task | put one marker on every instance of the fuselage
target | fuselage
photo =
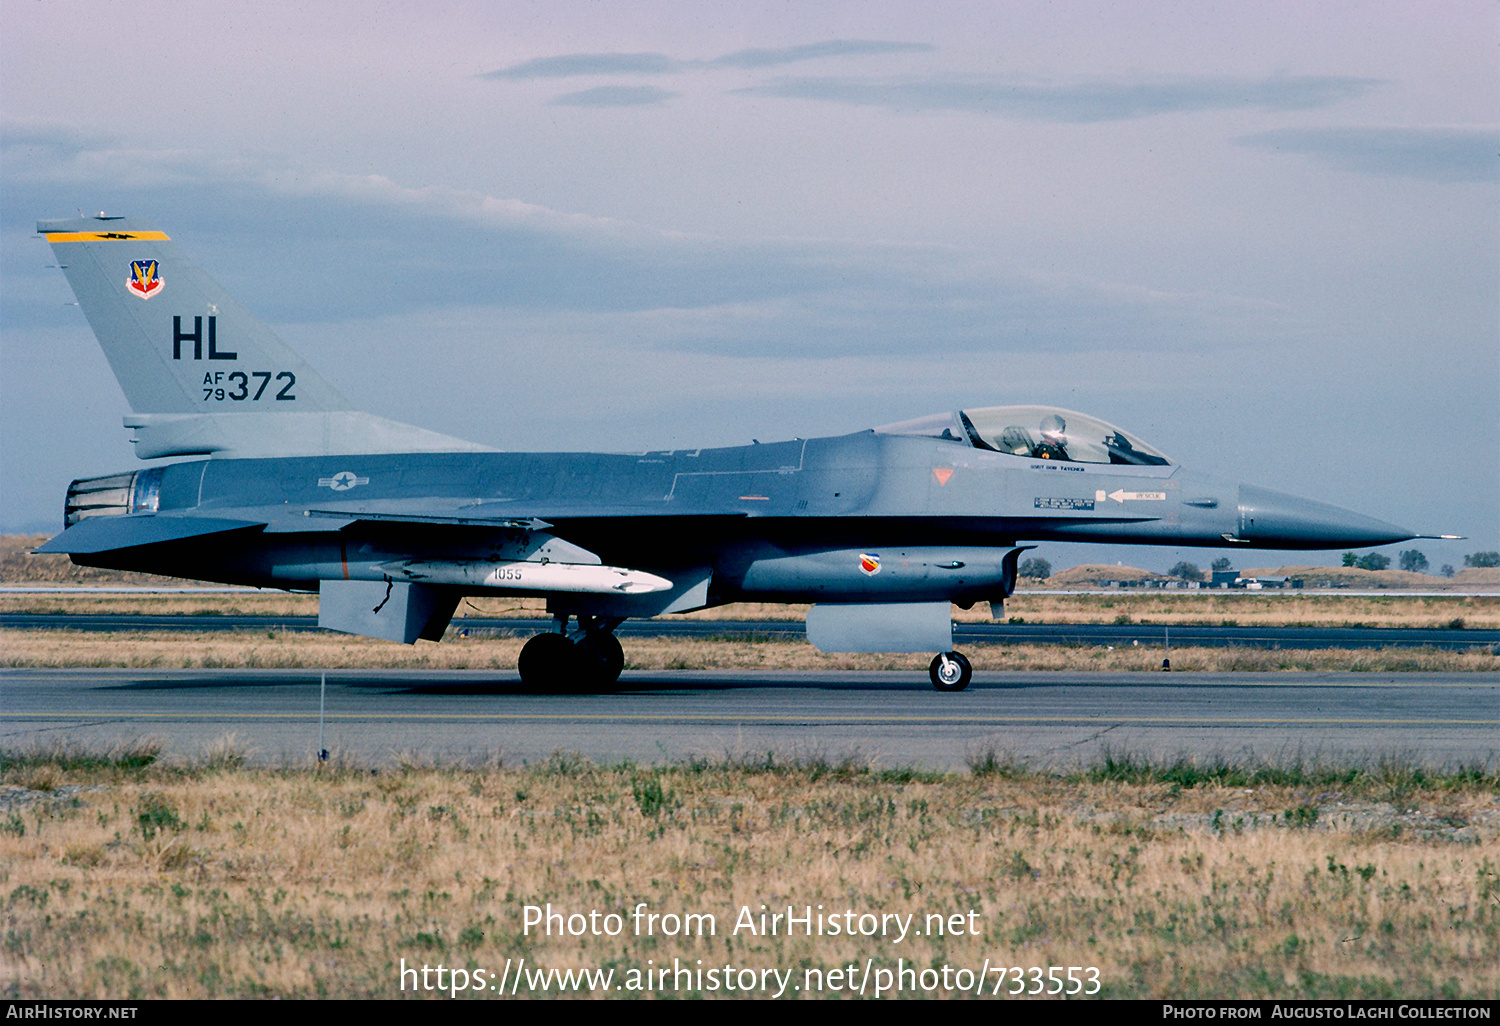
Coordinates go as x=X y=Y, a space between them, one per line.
x=785 y=521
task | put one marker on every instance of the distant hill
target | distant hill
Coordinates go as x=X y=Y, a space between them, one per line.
x=1099 y=573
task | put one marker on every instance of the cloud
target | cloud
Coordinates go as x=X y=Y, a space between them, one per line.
x=37 y=151
x=1434 y=154
x=53 y=141
x=771 y=58
x=1072 y=102
x=356 y=246
x=930 y=303
x=569 y=65
x=614 y=96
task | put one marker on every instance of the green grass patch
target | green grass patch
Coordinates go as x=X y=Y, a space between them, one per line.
x=122 y=757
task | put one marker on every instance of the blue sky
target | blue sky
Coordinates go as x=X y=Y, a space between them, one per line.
x=1262 y=237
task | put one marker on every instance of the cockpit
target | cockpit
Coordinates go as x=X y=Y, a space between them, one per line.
x=1034 y=432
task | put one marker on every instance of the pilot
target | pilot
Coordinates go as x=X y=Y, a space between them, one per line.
x=1054 y=443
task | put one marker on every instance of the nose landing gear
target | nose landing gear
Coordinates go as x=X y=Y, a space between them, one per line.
x=591 y=660
x=950 y=671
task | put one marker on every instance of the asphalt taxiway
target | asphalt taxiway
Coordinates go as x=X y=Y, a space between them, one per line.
x=964 y=633
x=890 y=718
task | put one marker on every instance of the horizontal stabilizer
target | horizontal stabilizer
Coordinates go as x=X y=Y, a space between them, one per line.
x=104 y=534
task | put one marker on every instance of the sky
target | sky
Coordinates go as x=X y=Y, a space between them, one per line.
x=1264 y=238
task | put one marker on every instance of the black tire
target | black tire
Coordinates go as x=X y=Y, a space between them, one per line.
x=601 y=658
x=950 y=671
x=548 y=663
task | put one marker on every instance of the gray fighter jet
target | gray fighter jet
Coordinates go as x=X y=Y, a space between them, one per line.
x=391 y=525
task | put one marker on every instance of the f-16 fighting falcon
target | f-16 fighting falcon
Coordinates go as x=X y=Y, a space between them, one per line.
x=392 y=525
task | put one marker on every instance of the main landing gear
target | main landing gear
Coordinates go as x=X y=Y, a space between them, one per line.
x=950 y=671
x=590 y=660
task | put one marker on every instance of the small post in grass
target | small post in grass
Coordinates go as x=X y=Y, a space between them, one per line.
x=1166 y=664
x=322 y=703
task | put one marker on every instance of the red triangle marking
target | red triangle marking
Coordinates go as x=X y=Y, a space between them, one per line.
x=942 y=474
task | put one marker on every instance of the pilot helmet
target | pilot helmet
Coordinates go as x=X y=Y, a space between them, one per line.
x=1054 y=429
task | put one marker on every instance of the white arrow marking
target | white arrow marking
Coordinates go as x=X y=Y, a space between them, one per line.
x=1121 y=495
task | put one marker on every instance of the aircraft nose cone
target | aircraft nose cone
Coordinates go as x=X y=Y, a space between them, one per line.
x=1289 y=522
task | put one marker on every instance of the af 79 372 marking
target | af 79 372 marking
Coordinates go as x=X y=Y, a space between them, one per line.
x=214 y=383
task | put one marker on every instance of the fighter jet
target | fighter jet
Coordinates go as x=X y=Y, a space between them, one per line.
x=392 y=525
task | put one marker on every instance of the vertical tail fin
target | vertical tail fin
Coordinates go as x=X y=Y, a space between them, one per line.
x=177 y=342
x=202 y=375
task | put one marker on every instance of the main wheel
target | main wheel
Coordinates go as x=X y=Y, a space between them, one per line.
x=548 y=662
x=601 y=658
x=950 y=671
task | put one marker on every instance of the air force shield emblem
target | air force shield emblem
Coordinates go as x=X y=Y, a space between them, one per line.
x=144 y=280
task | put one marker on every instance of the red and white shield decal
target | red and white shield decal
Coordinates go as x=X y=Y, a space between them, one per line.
x=144 y=280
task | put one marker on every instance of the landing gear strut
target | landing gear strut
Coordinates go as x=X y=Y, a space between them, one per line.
x=950 y=671
x=590 y=660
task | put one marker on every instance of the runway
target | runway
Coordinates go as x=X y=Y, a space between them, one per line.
x=964 y=633
x=890 y=718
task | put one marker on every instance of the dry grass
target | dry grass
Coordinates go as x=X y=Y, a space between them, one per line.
x=120 y=880
x=249 y=649
x=281 y=649
x=248 y=603
x=19 y=566
x=1243 y=608
x=1252 y=609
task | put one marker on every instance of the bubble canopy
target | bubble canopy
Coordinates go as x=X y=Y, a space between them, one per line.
x=1034 y=432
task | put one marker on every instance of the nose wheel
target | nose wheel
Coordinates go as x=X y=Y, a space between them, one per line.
x=950 y=671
